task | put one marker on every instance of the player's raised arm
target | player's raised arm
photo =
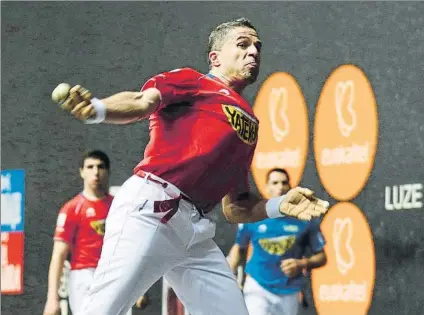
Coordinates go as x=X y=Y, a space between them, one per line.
x=126 y=107
x=120 y=108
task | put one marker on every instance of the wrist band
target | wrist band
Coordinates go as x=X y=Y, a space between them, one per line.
x=272 y=207
x=100 y=108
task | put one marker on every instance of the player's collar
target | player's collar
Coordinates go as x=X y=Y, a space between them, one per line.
x=210 y=75
x=214 y=77
x=92 y=198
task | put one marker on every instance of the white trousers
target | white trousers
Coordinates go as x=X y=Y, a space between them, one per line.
x=78 y=285
x=260 y=301
x=138 y=249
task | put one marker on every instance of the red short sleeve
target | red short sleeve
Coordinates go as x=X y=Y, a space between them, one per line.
x=175 y=86
x=66 y=224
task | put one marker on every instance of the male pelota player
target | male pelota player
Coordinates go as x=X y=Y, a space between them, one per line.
x=278 y=246
x=202 y=138
x=79 y=232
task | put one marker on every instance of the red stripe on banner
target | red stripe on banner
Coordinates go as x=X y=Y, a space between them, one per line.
x=12 y=262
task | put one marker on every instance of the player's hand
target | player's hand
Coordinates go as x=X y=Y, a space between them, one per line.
x=302 y=203
x=52 y=307
x=142 y=301
x=78 y=103
x=291 y=267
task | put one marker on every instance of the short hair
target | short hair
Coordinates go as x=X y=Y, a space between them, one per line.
x=96 y=154
x=220 y=32
x=280 y=170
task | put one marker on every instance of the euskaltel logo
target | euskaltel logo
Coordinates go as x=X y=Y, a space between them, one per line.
x=345 y=132
x=283 y=129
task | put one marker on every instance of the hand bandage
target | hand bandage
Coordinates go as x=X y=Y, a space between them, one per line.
x=272 y=207
x=100 y=108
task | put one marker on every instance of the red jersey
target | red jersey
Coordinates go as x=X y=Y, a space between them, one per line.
x=202 y=136
x=81 y=224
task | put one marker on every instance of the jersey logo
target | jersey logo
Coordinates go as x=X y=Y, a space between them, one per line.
x=90 y=212
x=98 y=226
x=277 y=245
x=291 y=228
x=245 y=125
x=224 y=91
x=262 y=228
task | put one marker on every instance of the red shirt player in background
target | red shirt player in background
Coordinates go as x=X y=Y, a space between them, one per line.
x=79 y=232
x=202 y=139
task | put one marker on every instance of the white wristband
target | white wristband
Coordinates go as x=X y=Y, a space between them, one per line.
x=100 y=108
x=272 y=207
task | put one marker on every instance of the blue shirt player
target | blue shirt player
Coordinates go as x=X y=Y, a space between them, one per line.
x=277 y=249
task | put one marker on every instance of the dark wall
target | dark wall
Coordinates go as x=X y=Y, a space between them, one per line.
x=110 y=47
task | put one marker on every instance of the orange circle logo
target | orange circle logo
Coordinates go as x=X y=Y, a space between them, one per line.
x=345 y=284
x=346 y=130
x=283 y=129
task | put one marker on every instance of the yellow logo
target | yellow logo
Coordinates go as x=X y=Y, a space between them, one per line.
x=345 y=284
x=277 y=245
x=284 y=133
x=245 y=125
x=346 y=131
x=98 y=226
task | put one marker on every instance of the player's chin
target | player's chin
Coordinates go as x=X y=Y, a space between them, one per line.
x=251 y=76
x=96 y=184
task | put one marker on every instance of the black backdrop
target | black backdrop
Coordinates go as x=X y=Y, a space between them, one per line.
x=111 y=46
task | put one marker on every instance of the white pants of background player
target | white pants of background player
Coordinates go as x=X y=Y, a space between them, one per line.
x=78 y=284
x=260 y=301
x=138 y=249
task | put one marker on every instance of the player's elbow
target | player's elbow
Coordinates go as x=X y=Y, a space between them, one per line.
x=322 y=259
x=229 y=216
x=148 y=101
x=240 y=208
x=235 y=214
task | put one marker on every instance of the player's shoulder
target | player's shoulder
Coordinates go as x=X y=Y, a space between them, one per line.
x=185 y=72
x=258 y=225
x=109 y=198
x=288 y=225
x=74 y=200
x=73 y=203
x=314 y=224
x=301 y=227
x=244 y=226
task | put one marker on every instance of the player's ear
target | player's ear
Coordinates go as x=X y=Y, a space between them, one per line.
x=214 y=58
x=267 y=188
x=81 y=171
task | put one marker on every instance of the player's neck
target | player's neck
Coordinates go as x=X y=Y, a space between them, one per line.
x=93 y=194
x=234 y=84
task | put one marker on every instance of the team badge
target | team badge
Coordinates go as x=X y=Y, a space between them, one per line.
x=244 y=124
x=98 y=226
x=277 y=245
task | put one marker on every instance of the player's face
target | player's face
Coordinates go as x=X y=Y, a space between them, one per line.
x=278 y=184
x=240 y=55
x=95 y=174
